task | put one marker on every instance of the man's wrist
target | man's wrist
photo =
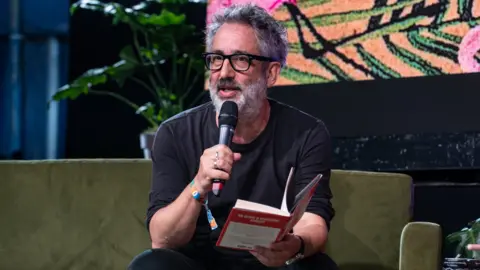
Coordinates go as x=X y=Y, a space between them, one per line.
x=301 y=249
x=197 y=193
x=300 y=253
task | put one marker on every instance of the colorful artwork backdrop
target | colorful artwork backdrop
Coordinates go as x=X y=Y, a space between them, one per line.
x=340 y=40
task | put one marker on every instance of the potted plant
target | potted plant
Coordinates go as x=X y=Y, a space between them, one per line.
x=465 y=259
x=161 y=59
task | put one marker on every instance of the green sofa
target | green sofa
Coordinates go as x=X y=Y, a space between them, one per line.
x=89 y=214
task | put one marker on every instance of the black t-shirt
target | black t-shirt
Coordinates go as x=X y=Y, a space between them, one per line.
x=291 y=138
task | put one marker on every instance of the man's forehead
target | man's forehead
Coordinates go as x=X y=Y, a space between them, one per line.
x=235 y=38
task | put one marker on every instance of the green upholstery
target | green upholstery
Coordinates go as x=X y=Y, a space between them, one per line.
x=89 y=214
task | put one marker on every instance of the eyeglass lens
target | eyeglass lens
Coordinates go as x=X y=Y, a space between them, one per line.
x=239 y=62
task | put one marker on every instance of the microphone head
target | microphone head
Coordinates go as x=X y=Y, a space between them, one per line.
x=228 y=114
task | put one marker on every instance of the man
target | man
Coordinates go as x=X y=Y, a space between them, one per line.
x=246 y=50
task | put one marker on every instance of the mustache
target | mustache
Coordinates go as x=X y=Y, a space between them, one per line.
x=228 y=83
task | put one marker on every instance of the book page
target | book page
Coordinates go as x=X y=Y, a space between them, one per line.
x=258 y=207
x=285 y=192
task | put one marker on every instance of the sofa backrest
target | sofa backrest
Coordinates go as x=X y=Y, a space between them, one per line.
x=371 y=210
x=89 y=214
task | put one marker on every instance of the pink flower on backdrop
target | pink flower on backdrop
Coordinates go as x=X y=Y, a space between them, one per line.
x=269 y=5
x=469 y=46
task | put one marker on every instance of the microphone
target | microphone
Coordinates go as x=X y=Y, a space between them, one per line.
x=227 y=122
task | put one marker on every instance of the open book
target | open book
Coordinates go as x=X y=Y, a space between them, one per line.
x=252 y=224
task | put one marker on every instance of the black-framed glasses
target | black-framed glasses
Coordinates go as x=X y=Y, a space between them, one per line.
x=238 y=61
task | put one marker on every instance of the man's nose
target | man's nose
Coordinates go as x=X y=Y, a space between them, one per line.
x=227 y=70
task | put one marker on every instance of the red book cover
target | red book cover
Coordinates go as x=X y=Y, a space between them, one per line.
x=251 y=224
x=245 y=229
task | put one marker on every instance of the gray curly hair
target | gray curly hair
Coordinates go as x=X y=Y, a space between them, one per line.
x=271 y=35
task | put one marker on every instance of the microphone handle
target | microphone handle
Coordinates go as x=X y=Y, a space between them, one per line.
x=226 y=135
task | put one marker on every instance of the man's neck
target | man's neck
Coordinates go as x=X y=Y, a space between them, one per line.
x=247 y=130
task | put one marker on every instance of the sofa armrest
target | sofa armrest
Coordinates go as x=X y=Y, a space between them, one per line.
x=420 y=246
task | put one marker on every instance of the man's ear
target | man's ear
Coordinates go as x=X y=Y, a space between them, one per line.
x=273 y=71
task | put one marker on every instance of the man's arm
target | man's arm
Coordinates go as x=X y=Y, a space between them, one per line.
x=316 y=158
x=313 y=229
x=173 y=212
x=174 y=225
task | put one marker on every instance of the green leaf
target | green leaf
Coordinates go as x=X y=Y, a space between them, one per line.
x=433 y=46
x=82 y=84
x=121 y=71
x=305 y=4
x=474 y=223
x=87 y=4
x=301 y=77
x=165 y=18
x=377 y=67
x=118 y=12
x=382 y=31
x=128 y=54
x=446 y=36
x=443 y=8
x=336 y=18
x=468 y=235
x=412 y=59
x=70 y=92
x=465 y=9
x=148 y=109
x=456 y=236
x=334 y=69
x=92 y=77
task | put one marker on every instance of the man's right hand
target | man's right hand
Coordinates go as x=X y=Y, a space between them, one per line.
x=215 y=163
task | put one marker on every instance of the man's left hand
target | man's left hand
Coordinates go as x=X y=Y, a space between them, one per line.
x=278 y=253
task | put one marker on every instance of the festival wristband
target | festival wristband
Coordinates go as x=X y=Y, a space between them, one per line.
x=195 y=194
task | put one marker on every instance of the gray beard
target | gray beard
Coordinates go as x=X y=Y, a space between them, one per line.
x=249 y=103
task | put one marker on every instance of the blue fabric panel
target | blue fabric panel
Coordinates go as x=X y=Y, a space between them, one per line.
x=46 y=17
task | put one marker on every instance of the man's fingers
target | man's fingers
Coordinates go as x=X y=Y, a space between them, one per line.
x=223 y=164
x=222 y=150
x=264 y=260
x=218 y=174
x=279 y=246
x=267 y=257
x=286 y=243
x=266 y=253
x=237 y=156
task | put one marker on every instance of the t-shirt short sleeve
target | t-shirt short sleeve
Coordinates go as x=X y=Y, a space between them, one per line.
x=316 y=159
x=169 y=177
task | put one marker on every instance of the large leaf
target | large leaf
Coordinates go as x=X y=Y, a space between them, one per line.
x=165 y=18
x=468 y=235
x=82 y=84
x=118 y=12
x=121 y=71
x=163 y=38
x=134 y=16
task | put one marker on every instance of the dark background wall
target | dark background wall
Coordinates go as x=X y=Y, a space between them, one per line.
x=426 y=127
